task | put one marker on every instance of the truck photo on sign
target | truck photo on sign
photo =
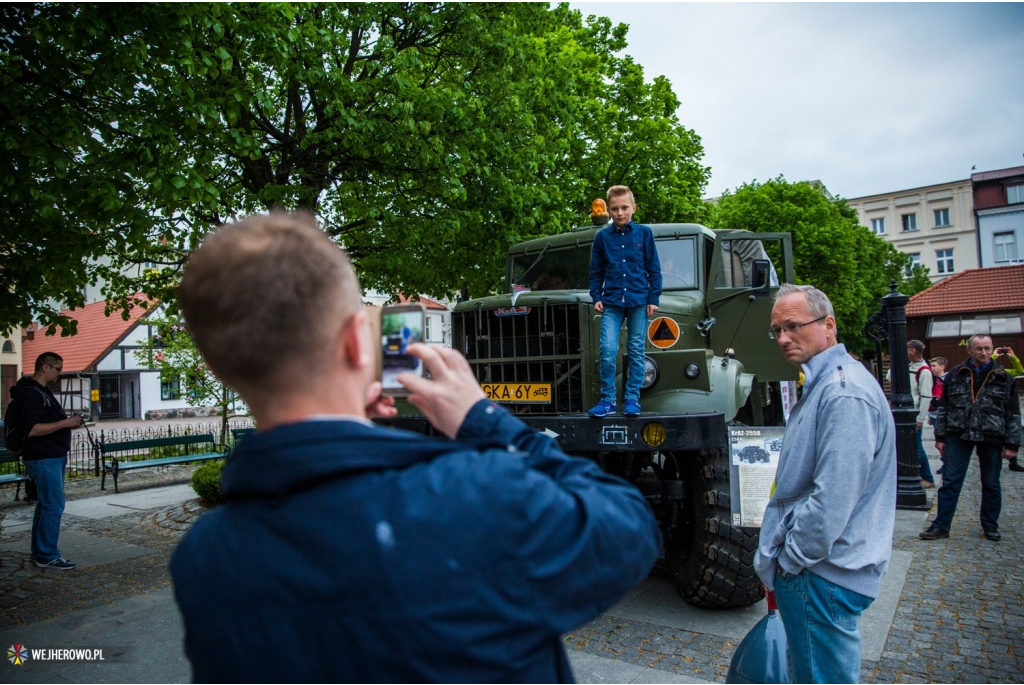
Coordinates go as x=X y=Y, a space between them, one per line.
x=753 y=459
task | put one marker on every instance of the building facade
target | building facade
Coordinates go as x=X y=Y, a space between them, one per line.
x=933 y=224
x=10 y=365
x=999 y=206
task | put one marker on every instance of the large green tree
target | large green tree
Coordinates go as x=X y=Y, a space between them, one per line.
x=831 y=250
x=425 y=137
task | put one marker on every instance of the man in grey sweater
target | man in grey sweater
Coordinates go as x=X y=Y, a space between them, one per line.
x=826 y=537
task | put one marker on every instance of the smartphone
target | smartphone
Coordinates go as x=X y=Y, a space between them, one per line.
x=400 y=326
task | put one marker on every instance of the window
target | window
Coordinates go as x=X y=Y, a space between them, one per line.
x=1005 y=246
x=170 y=388
x=909 y=222
x=878 y=226
x=428 y=336
x=963 y=326
x=942 y=217
x=915 y=260
x=944 y=261
x=1014 y=194
x=8 y=346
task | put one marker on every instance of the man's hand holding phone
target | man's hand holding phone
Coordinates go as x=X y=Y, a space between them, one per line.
x=450 y=393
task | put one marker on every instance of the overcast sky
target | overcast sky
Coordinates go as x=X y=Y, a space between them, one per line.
x=867 y=98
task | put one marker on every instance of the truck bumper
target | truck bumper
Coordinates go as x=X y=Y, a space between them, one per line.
x=581 y=433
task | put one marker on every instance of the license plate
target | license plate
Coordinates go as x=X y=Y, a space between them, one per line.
x=518 y=393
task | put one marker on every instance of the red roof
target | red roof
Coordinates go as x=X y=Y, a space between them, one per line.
x=424 y=300
x=97 y=335
x=974 y=290
x=998 y=174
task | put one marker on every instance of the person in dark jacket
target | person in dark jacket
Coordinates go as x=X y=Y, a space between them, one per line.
x=979 y=410
x=45 y=429
x=351 y=552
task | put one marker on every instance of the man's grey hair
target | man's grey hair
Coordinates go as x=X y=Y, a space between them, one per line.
x=970 y=340
x=818 y=303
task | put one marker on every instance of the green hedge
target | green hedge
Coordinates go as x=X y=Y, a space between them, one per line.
x=206 y=482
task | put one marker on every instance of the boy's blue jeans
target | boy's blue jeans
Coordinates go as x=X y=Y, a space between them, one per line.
x=822 y=623
x=48 y=475
x=636 y=328
x=922 y=458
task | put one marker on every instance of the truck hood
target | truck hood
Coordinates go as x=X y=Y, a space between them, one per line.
x=682 y=302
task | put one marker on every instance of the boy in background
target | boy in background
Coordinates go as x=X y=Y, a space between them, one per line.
x=625 y=285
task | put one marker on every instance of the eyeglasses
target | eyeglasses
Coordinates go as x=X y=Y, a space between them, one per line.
x=58 y=369
x=790 y=329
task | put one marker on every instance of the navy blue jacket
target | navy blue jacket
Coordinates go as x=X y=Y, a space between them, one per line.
x=355 y=553
x=624 y=267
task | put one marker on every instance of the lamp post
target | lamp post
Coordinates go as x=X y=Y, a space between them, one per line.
x=909 y=492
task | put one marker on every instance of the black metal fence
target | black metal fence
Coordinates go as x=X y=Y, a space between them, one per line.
x=82 y=458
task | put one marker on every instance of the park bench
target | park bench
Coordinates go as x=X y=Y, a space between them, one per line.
x=238 y=434
x=190 y=443
x=17 y=476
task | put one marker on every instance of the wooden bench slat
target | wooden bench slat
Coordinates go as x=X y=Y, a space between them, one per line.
x=162 y=461
x=111 y=447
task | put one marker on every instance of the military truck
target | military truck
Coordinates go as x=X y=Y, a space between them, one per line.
x=753 y=453
x=708 y=363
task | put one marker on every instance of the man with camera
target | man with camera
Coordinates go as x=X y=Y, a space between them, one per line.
x=41 y=430
x=350 y=552
x=979 y=411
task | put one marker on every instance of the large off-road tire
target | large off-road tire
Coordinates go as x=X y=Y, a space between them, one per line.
x=711 y=562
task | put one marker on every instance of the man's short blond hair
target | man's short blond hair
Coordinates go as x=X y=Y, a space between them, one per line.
x=264 y=298
x=616 y=191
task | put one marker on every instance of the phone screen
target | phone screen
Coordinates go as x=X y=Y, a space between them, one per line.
x=399 y=328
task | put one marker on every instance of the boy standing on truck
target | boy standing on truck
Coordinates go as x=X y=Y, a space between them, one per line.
x=625 y=285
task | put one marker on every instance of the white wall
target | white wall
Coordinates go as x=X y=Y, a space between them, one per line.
x=149 y=383
x=995 y=221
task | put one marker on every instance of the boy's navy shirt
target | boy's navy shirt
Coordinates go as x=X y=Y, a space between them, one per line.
x=624 y=266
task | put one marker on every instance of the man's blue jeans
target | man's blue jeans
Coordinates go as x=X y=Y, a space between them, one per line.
x=636 y=330
x=954 y=468
x=48 y=475
x=822 y=623
x=922 y=456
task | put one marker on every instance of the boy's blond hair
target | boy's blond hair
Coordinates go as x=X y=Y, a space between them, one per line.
x=616 y=191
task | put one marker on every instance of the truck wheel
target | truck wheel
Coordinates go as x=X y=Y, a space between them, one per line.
x=711 y=562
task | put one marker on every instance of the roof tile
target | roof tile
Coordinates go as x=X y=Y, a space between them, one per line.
x=96 y=334
x=974 y=290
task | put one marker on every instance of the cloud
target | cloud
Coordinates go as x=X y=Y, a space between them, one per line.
x=867 y=98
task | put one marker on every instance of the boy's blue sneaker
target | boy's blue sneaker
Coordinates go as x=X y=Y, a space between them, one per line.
x=632 y=408
x=602 y=409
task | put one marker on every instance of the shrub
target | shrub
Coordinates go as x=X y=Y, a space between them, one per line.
x=206 y=482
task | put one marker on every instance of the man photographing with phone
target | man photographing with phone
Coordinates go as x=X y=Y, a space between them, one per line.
x=349 y=552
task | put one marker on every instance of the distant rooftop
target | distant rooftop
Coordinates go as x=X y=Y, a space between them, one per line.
x=997 y=174
x=974 y=290
x=97 y=335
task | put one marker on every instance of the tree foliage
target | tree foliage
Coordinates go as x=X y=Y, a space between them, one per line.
x=831 y=250
x=426 y=138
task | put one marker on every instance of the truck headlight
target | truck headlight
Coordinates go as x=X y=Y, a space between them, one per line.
x=692 y=371
x=650 y=373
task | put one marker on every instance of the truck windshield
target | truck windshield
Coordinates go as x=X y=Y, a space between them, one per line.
x=569 y=268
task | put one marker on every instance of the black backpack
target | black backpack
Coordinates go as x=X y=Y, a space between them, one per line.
x=13 y=438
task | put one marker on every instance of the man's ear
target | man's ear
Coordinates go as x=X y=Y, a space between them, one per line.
x=354 y=341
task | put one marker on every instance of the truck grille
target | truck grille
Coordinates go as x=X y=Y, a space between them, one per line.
x=541 y=346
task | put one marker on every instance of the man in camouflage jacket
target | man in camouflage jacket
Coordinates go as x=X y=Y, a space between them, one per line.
x=979 y=410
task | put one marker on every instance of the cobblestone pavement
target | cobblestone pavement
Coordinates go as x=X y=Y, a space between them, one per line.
x=958 y=619
x=29 y=594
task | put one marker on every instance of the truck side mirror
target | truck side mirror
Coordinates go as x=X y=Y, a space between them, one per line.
x=762 y=276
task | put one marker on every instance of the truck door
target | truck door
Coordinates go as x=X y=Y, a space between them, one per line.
x=741 y=305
